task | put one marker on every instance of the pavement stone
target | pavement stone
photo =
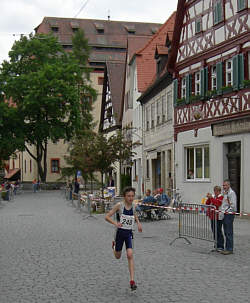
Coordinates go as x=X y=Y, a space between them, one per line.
x=49 y=254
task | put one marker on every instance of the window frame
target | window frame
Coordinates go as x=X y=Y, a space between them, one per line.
x=55 y=159
x=215 y=11
x=229 y=71
x=198 y=21
x=213 y=77
x=239 y=9
x=183 y=87
x=187 y=169
x=197 y=82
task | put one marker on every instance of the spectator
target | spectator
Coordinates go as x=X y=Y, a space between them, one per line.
x=76 y=186
x=111 y=182
x=190 y=174
x=216 y=200
x=229 y=206
x=34 y=185
x=162 y=200
x=148 y=199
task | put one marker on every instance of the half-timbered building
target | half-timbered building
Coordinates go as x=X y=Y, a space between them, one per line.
x=210 y=60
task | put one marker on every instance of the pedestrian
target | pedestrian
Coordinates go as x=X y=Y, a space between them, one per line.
x=126 y=215
x=34 y=185
x=76 y=186
x=229 y=207
x=216 y=217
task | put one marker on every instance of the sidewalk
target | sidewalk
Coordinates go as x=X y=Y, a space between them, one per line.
x=48 y=254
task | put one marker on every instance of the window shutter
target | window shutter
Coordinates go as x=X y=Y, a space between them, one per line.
x=241 y=70
x=235 y=73
x=188 y=87
x=175 y=91
x=204 y=82
x=219 y=11
x=219 y=77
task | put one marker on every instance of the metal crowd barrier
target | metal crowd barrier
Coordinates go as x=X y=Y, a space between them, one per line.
x=195 y=223
x=86 y=203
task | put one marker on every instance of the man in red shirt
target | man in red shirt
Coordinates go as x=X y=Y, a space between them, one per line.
x=216 y=217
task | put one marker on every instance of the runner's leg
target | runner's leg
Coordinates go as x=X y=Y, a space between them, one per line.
x=130 y=263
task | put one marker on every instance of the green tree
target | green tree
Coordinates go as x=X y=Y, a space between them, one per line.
x=10 y=136
x=50 y=89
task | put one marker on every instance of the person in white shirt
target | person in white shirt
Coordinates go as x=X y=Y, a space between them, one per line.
x=228 y=207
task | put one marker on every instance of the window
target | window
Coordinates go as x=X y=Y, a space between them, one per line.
x=197 y=160
x=147 y=164
x=183 y=87
x=55 y=165
x=158 y=109
x=147 y=118
x=198 y=83
x=163 y=107
x=152 y=115
x=55 y=29
x=198 y=25
x=30 y=165
x=135 y=170
x=100 y=80
x=169 y=106
x=213 y=72
x=218 y=11
x=241 y=4
x=229 y=72
x=25 y=166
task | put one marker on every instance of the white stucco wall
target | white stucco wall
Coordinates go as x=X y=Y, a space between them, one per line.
x=193 y=191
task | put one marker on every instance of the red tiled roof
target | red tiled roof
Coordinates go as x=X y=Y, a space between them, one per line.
x=135 y=44
x=146 y=64
x=115 y=34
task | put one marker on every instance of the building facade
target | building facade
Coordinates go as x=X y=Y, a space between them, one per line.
x=210 y=62
x=108 y=41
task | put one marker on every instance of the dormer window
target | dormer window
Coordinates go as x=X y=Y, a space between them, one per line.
x=74 y=26
x=154 y=30
x=130 y=29
x=54 y=26
x=99 y=28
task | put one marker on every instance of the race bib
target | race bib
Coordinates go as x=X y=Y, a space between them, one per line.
x=127 y=221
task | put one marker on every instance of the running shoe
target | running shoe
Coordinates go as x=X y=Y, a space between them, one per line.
x=133 y=286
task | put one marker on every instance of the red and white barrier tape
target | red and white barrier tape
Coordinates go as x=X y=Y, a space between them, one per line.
x=202 y=209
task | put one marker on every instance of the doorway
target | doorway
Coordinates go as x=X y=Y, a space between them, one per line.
x=234 y=168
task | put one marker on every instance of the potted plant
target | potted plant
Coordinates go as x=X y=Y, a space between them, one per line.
x=181 y=102
x=227 y=89
x=246 y=83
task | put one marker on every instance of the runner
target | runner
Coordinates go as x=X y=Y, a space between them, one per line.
x=126 y=215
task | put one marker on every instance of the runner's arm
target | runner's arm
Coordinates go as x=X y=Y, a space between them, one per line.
x=138 y=223
x=109 y=215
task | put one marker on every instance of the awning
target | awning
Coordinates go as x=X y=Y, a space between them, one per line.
x=11 y=173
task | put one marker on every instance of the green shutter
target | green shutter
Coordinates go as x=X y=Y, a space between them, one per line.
x=175 y=91
x=241 y=4
x=188 y=88
x=215 y=14
x=235 y=72
x=241 y=70
x=219 y=78
x=204 y=82
x=219 y=11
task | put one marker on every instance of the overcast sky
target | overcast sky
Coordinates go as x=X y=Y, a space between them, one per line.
x=22 y=16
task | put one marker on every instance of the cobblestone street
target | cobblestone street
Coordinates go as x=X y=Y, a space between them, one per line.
x=48 y=254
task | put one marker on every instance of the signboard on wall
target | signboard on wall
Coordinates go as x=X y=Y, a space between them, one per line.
x=231 y=127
